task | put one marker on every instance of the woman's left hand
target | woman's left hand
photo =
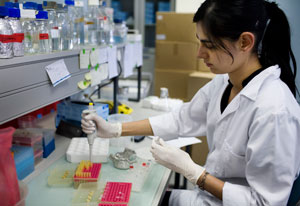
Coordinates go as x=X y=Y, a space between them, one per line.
x=176 y=159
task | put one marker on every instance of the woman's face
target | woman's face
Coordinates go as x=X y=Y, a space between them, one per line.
x=217 y=59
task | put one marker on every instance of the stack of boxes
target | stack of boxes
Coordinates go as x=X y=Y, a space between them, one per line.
x=177 y=66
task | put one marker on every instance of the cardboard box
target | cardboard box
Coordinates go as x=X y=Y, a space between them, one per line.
x=172 y=26
x=175 y=80
x=176 y=55
x=196 y=80
x=199 y=152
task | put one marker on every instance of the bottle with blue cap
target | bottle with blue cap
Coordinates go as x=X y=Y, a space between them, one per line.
x=28 y=10
x=43 y=31
x=6 y=35
x=18 y=32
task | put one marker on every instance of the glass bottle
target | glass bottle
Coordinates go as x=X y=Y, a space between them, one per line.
x=120 y=32
x=6 y=38
x=78 y=20
x=64 y=27
x=43 y=31
x=18 y=33
x=71 y=19
x=91 y=22
x=28 y=23
x=50 y=7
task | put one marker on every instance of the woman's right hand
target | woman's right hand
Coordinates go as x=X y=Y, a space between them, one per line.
x=92 y=122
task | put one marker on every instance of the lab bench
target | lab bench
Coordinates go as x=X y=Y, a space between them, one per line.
x=41 y=194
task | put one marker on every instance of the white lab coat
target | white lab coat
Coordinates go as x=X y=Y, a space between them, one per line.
x=254 y=145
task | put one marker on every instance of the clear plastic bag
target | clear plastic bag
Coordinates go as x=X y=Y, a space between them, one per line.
x=9 y=188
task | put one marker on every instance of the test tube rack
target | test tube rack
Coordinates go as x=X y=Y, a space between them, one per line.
x=86 y=172
x=116 y=192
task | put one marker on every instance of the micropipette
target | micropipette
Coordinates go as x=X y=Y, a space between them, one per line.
x=91 y=137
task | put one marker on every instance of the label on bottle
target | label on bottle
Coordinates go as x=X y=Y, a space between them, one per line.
x=55 y=32
x=19 y=37
x=44 y=36
x=7 y=38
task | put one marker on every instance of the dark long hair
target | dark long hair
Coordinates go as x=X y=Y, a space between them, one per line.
x=227 y=19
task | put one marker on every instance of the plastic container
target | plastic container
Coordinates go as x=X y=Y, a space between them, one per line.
x=28 y=137
x=64 y=27
x=38 y=157
x=24 y=160
x=78 y=150
x=27 y=121
x=50 y=7
x=9 y=193
x=62 y=176
x=120 y=142
x=87 y=194
x=48 y=142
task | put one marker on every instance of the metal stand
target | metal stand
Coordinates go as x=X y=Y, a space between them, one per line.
x=115 y=95
x=139 y=81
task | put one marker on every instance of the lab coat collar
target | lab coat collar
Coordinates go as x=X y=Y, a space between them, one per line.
x=252 y=88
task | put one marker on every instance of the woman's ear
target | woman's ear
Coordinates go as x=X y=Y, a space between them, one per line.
x=246 y=41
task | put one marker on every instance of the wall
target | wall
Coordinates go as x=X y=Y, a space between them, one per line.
x=291 y=9
x=187 y=6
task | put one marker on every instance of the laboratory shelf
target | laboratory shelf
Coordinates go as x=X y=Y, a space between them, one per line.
x=25 y=85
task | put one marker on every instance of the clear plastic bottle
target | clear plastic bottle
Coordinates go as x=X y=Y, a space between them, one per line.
x=14 y=21
x=43 y=31
x=28 y=10
x=78 y=20
x=64 y=27
x=102 y=20
x=50 y=7
x=91 y=22
x=6 y=37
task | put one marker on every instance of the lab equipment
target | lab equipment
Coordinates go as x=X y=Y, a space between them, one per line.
x=50 y=6
x=120 y=32
x=24 y=160
x=64 y=27
x=62 y=176
x=117 y=192
x=9 y=191
x=43 y=31
x=6 y=45
x=138 y=138
x=123 y=160
x=18 y=33
x=28 y=22
x=86 y=171
x=87 y=194
x=78 y=150
x=91 y=26
x=48 y=142
x=92 y=136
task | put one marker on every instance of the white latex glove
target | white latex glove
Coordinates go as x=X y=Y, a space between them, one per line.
x=176 y=160
x=104 y=128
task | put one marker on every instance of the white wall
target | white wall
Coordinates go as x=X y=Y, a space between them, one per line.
x=187 y=6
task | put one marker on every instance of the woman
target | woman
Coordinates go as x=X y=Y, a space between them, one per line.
x=248 y=111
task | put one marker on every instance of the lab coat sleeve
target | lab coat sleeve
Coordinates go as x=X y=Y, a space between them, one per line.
x=188 y=121
x=272 y=157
